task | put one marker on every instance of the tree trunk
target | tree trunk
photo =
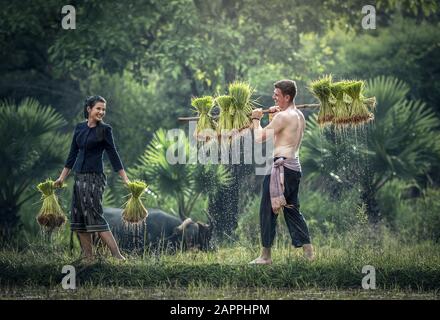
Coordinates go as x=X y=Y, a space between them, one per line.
x=181 y=206
x=9 y=220
x=368 y=197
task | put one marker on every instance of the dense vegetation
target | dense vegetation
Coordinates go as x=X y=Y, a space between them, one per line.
x=149 y=58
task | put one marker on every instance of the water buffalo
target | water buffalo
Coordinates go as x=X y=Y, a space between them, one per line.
x=161 y=231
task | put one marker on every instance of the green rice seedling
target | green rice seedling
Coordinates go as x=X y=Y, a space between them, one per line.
x=51 y=215
x=205 y=125
x=341 y=105
x=134 y=211
x=224 y=125
x=370 y=105
x=321 y=89
x=241 y=107
x=359 y=112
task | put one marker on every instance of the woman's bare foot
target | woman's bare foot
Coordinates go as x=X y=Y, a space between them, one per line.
x=88 y=259
x=120 y=257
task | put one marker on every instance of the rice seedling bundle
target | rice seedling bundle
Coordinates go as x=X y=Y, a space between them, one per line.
x=359 y=112
x=205 y=124
x=224 y=125
x=241 y=107
x=369 y=103
x=134 y=211
x=51 y=215
x=341 y=104
x=321 y=89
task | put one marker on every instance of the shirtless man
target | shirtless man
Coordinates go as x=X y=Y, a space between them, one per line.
x=280 y=188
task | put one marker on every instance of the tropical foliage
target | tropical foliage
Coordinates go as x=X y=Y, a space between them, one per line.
x=185 y=181
x=151 y=63
x=401 y=143
x=30 y=149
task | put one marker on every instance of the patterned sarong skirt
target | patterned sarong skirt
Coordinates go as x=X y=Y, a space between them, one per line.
x=87 y=213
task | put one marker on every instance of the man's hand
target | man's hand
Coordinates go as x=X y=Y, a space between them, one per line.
x=274 y=109
x=257 y=113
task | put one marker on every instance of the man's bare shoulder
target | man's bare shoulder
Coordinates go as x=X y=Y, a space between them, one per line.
x=301 y=118
x=300 y=113
x=288 y=117
x=279 y=117
x=282 y=115
x=292 y=115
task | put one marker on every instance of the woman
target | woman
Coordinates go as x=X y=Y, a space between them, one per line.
x=90 y=139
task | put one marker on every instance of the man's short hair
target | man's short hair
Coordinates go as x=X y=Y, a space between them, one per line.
x=286 y=87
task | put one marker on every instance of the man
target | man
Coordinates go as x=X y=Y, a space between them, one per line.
x=280 y=187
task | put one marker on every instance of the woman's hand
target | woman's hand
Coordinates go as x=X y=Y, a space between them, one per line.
x=124 y=177
x=59 y=182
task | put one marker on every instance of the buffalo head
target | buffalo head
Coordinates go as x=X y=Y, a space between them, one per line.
x=194 y=234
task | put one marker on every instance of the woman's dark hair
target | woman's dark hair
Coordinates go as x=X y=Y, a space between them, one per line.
x=90 y=102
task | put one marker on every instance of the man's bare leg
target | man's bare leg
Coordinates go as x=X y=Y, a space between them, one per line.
x=85 y=240
x=308 y=252
x=109 y=240
x=264 y=258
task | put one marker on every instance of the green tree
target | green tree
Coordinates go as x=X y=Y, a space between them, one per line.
x=28 y=30
x=400 y=143
x=30 y=149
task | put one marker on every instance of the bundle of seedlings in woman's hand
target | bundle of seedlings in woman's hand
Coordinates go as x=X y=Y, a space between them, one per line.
x=51 y=215
x=224 y=124
x=134 y=211
x=321 y=89
x=359 y=111
x=205 y=125
x=241 y=107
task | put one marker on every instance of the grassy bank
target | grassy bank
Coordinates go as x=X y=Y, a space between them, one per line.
x=206 y=291
x=399 y=269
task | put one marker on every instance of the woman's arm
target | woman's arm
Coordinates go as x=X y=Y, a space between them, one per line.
x=123 y=175
x=63 y=175
x=71 y=158
x=113 y=155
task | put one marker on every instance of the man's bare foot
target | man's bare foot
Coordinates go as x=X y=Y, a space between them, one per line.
x=261 y=260
x=308 y=252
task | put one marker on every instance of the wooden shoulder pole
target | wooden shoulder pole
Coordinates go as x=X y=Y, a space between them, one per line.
x=300 y=106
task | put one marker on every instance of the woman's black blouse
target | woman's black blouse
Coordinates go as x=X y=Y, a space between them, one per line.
x=86 y=151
